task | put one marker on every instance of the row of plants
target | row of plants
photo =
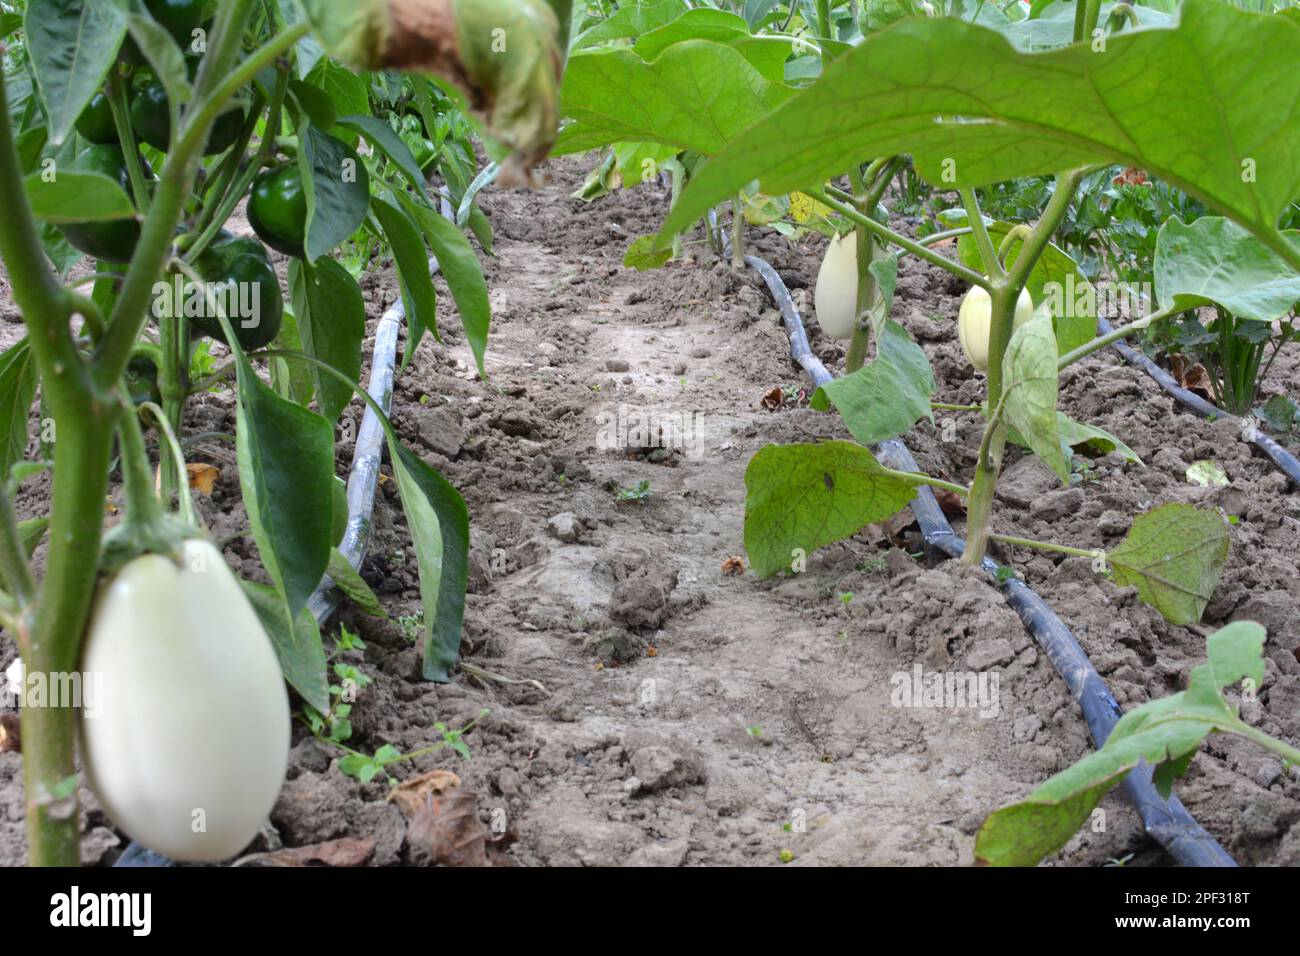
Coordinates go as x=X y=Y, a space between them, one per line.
x=815 y=111
x=131 y=131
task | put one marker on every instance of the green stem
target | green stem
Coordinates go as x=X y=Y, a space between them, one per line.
x=844 y=207
x=129 y=313
x=126 y=136
x=49 y=636
x=945 y=407
x=1114 y=335
x=864 y=253
x=187 y=509
x=1018 y=233
x=992 y=265
x=172 y=391
x=1067 y=184
x=1046 y=546
x=142 y=504
x=737 y=233
x=1283 y=750
x=923 y=479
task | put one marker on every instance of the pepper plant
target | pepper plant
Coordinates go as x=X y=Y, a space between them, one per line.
x=131 y=131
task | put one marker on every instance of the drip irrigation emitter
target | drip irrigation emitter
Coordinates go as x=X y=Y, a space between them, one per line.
x=1251 y=433
x=1167 y=821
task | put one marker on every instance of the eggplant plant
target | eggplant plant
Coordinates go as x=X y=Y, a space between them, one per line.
x=1061 y=94
x=810 y=136
x=131 y=131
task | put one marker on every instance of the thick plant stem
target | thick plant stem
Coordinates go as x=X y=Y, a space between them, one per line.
x=864 y=253
x=738 y=232
x=49 y=635
x=979 y=507
x=81 y=456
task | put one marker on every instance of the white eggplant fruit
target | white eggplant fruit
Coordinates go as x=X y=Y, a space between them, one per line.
x=974 y=320
x=836 y=294
x=186 y=739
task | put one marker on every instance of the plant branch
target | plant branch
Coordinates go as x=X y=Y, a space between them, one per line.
x=1114 y=335
x=992 y=265
x=846 y=209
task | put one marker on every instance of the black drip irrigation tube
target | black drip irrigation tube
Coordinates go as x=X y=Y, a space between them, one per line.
x=1283 y=459
x=1167 y=821
x=363 y=479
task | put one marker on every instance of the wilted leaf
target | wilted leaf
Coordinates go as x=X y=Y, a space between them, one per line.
x=203 y=477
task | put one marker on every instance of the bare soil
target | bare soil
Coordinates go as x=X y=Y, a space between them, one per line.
x=687 y=715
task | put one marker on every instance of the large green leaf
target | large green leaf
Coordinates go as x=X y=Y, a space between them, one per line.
x=888 y=395
x=412 y=271
x=629 y=21
x=971 y=110
x=460 y=267
x=331 y=318
x=1215 y=260
x=698 y=95
x=1029 y=389
x=346 y=89
x=17 y=391
x=702 y=23
x=439 y=525
x=77 y=197
x=1173 y=555
x=72 y=45
x=1165 y=732
x=800 y=497
x=286 y=469
x=338 y=190
x=299 y=648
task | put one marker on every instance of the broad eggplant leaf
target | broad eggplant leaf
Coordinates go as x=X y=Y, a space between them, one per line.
x=629 y=21
x=1215 y=260
x=1173 y=555
x=331 y=320
x=887 y=396
x=1144 y=102
x=801 y=497
x=697 y=95
x=642 y=255
x=702 y=23
x=1029 y=391
x=72 y=45
x=1165 y=732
